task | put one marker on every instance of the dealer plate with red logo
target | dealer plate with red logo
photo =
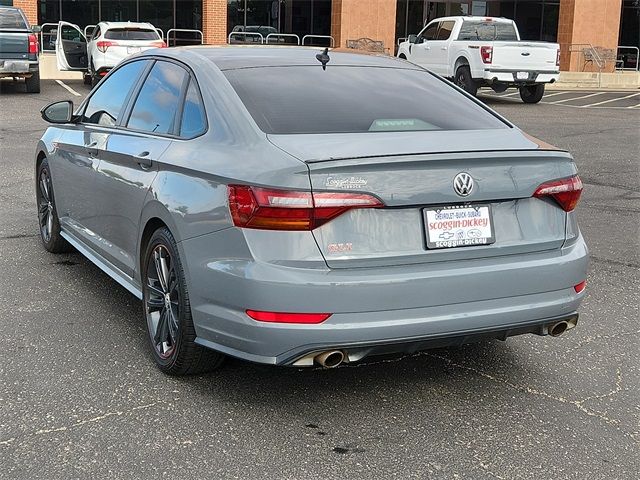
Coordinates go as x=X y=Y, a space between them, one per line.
x=459 y=226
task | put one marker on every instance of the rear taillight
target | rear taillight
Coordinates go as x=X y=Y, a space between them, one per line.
x=276 y=317
x=558 y=58
x=103 y=45
x=33 y=44
x=159 y=44
x=579 y=288
x=487 y=54
x=270 y=209
x=566 y=192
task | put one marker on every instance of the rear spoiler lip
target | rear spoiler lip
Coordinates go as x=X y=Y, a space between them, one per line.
x=446 y=152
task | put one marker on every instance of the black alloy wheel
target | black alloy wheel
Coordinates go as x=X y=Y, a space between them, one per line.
x=168 y=312
x=47 y=214
x=464 y=80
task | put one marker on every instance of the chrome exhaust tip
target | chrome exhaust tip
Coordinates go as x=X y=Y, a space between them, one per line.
x=561 y=327
x=558 y=329
x=330 y=358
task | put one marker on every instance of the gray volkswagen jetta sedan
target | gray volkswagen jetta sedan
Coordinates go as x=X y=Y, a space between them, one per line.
x=292 y=207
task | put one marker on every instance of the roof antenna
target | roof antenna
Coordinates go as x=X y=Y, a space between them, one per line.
x=324 y=58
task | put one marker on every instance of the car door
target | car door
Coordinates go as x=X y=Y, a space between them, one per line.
x=130 y=164
x=71 y=47
x=422 y=52
x=79 y=152
x=440 y=47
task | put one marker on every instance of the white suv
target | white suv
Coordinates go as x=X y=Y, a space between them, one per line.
x=106 y=45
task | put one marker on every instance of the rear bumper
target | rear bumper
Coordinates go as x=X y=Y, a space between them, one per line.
x=18 y=68
x=511 y=76
x=376 y=310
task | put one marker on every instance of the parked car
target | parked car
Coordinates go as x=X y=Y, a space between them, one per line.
x=484 y=52
x=252 y=33
x=19 y=48
x=366 y=207
x=108 y=44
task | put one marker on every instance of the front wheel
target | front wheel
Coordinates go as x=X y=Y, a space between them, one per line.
x=47 y=214
x=532 y=93
x=464 y=80
x=168 y=312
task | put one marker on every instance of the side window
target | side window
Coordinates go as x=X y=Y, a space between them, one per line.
x=194 y=121
x=430 y=32
x=445 y=30
x=157 y=103
x=71 y=34
x=106 y=104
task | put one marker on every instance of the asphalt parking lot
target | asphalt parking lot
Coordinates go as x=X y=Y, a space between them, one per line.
x=80 y=397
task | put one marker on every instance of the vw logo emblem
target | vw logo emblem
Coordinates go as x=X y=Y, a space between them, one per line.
x=463 y=184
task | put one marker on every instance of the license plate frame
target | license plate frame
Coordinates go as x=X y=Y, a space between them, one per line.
x=474 y=214
x=132 y=50
x=522 y=75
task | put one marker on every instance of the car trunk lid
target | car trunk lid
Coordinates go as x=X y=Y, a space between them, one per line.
x=506 y=168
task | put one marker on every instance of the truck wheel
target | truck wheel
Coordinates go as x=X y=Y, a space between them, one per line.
x=464 y=80
x=532 y=93
x=33 y=83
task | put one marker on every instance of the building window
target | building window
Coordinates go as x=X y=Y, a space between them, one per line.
x=629 y=33
x=163 y=14
x=536 y=20
x=300 y=17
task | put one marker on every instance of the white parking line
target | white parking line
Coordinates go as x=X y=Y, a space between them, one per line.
x=576 y=98
x=547 y=95
x=612 y=100
x=68 y=88
x=634 y=106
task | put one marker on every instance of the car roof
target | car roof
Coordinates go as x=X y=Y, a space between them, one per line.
x=230 y=57
x=109 y=25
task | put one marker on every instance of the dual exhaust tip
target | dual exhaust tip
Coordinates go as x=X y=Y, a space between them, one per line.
x=333 y=358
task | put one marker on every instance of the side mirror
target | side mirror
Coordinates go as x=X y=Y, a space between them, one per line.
x=36 y=29
x=413 y=38
x=58 y=112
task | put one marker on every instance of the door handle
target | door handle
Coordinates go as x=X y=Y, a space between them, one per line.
x=142 y=160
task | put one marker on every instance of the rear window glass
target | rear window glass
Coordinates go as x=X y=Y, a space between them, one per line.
x=12 y=20
x=487 y=31
x=342 y=99
x=131 y=34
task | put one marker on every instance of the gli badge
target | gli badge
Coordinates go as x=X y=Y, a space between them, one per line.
x=463 y=184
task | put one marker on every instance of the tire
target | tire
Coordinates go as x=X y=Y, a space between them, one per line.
x=167 y=311
x=532 y=93
x=47 y=213
x=464 y=80
x=33 y=83
x=95 y=78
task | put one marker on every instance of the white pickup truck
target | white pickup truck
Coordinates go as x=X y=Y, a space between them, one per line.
x=484 y=52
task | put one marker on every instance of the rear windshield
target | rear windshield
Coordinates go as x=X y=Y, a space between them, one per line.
x=487 y=31
x=346 y=99
x=131 y=34
x=12 y=20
